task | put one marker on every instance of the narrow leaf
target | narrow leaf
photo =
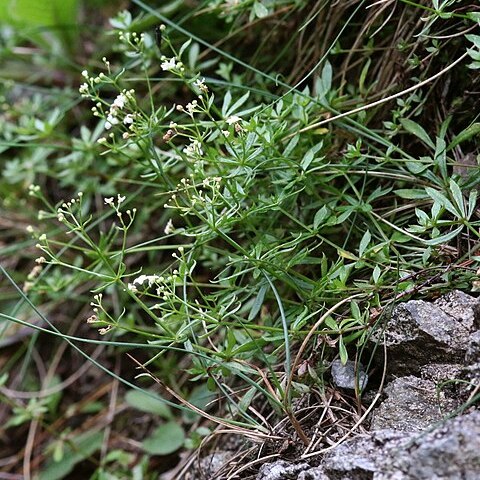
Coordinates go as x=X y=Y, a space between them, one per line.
x=417 y=130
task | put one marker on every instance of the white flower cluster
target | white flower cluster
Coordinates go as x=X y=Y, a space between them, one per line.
x=190 y=195
x=165 y=284
x=89 y=83
x=111 y=201
x=117 y=106
x=65 y=208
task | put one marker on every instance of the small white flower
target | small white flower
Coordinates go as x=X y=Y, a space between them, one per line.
x=200 y=84
x=191 y=107
x=194 y=149
x=108 y=200
x=83 y=88
x=128 y=119
x=233 y=119
x=120 y=101
x=120 y=198
x=85 y=74
x=169 y=228
x=112 y=119
x=150 y=279
x=169 y=64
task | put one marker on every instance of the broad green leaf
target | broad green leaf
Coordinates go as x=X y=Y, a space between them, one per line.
x=417 y=130
x=475 y=16
x=331 y=323
x=148 y=402
x=475 y=39
x=166 y=439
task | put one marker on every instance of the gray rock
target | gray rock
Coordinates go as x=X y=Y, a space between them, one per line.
x=420 y=333
x=315 y=473
x=472 y=354
x=362 y=456
x=412 y=405
x=211 y=464
x=449 y=452
x=441 y=372
x=281 y=470
x=345 y=376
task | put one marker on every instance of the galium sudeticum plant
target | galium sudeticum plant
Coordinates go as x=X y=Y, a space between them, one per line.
x=267 y=237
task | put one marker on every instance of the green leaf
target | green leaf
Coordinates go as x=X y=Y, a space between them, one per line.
x=342 y=350
x=367 y=236
x=444 y=238
x=320 y=216
x=246 y=400
x=238 y=104
x=466 y=134
x=331 y=323
x=417 y=130
x=356 y=313
x=148 y=402
x=475 y=16
x=376 y=274
x=458 y=197
x=411 y=193
x=260 y=10
x=324 y=83
x=440 y=156
x=227 y=100
x=166 y=439
x=475 y=39
x=257 y=304
x=441 y=200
